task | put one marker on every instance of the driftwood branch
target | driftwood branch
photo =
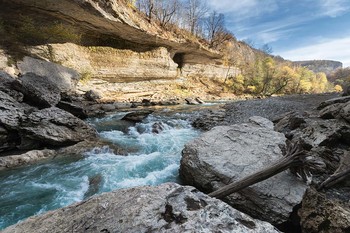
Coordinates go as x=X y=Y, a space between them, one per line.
x=295 y=157
x=339 y=175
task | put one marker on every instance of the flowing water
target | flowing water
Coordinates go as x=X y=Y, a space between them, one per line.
x=153 y=158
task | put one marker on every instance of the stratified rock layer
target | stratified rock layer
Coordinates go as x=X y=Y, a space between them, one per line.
x=166 y=208
x=229 y=153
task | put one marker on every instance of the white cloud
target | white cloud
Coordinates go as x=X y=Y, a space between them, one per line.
x=336 y=49
x=243 y=9
x=333 y=8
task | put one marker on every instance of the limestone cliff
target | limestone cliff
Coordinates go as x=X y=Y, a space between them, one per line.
x=114 y=48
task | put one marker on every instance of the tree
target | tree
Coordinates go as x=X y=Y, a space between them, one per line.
x=195 y=11
x=266 y=48
x=215 y=29
x=165 y=10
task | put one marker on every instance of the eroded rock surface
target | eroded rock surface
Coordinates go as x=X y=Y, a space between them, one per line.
x=229 y=153
x=54 y=126
x=165 y=208
x=38 y=91
x=320 y=214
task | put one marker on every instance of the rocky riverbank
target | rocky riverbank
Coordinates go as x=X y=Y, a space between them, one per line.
x=238 y=145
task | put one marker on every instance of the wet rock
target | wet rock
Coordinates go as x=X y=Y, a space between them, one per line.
x=345 y=112
x=53 y=126
x=331 y=111
x=94 y=185
x=38 y=91
x=320 y=214
x=137 y=116
x=229 y=153
x=199 y=100
x=333 y=101
x=165 y=208
x=92 y=95
x=157 y=127
x=64 y=78
x=29 y=157
x=191 y=101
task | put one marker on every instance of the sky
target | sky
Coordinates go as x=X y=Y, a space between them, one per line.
x=295 y=29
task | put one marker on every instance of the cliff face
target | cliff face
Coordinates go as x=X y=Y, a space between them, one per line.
x=118 y=52
x=111 y=18
x=325 y=66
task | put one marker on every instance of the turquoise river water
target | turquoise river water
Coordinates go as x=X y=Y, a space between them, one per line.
x=154 y=159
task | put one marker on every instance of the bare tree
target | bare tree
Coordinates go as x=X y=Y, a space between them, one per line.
x=195 y=11
x=215 y=29
x=146 y=6
x=165 y=10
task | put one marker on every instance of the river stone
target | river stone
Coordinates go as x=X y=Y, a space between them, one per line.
x=38 y=91
x=166 y=208
x=54 y=126
x=29 y=157
x=137 y=116
x=230 y=153
x=65 y=78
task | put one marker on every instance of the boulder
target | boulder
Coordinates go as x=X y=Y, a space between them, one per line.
x=77 y=110
x=229 y=153
x=6 y=86
x=65 y=78
x=345 y=111
x=346 y=91
x=165 y=208
x=137 y=116
x=29 y=157
x=326 y=103
x=53 y=126
x=38 y=91
x=11 y=111
x=320 y=214
x=318 y=132
x=331 y=111
x=191 y=101
x=92 y=95
x=289 y=122
x=208 y=119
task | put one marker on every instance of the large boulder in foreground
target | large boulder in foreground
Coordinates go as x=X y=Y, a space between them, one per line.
x=230 y=153
x=165 y=208
x=53 y=126
x=65 y=78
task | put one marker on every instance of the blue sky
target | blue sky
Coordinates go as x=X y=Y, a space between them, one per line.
x=295 y=29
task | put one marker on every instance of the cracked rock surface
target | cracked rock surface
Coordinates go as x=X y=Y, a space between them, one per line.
x=165 y=208
x=230 y=153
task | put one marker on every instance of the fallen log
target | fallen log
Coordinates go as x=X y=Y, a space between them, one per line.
x=295 y=157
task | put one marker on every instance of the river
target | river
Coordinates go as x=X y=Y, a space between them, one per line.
x=152 y=158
